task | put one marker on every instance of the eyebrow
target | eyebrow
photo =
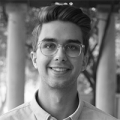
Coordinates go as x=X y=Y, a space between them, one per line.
x=49 y=40
x=73 y=41
x=67 y=41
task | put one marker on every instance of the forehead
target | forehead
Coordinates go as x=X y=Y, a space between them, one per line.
x=60 y=31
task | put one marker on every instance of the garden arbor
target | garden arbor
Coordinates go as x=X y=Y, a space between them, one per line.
x=106 y=70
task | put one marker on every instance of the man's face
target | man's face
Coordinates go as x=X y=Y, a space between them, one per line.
x=59 y=70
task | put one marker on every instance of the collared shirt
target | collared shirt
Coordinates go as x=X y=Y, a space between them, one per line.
x=32 y=111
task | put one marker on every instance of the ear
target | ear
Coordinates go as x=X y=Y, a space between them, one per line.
x=34 y=59
x=85 y=61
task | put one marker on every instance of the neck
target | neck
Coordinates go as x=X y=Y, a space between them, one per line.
x=55 y=101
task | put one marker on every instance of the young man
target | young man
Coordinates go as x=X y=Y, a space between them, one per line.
x=59 y=54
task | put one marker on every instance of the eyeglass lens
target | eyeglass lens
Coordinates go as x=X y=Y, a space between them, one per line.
x=50 y=48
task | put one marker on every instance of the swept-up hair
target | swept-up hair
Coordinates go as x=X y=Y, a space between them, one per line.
x=63 y=13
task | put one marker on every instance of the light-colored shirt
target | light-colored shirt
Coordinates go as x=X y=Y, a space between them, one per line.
x=33 y=111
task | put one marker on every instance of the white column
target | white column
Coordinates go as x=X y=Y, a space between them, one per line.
x=118 y=106
x=15 y=54
x=106 y=74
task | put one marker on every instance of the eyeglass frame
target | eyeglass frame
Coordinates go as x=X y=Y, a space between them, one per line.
x=63 y=47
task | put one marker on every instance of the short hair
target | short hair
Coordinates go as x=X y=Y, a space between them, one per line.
x=63 y=13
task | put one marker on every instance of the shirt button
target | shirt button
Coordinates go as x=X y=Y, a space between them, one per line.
x=67 y=118
x=52 y=118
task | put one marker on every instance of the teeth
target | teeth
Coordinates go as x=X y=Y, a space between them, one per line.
x=59 y=69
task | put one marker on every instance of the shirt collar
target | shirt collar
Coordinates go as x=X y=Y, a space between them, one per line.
x=37 y=110
x=77 y=113
x=42 y=114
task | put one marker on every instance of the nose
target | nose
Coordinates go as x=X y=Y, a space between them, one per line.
x=60 y=54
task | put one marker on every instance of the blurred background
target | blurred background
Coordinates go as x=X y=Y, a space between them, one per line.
x=99 y=84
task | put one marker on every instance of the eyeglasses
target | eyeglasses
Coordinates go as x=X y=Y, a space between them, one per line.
x=50 y=48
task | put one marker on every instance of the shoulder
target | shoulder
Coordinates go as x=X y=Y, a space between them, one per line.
x=19 y=113
x=93 y=113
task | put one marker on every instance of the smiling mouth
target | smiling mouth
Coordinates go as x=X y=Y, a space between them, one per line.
x=59 y=69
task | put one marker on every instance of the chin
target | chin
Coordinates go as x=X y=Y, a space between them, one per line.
x=60 y=85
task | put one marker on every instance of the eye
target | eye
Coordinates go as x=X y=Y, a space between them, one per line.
x=48 y=45
x=72 y=47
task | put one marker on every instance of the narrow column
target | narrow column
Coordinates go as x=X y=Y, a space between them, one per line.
x=106 y=74
x=15 y=54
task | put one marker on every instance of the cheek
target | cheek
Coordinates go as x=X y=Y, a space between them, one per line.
x=77 y=65
x=42 y=64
